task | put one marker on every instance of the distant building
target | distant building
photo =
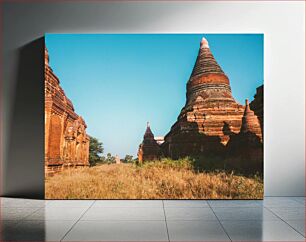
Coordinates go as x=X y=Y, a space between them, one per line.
x=117 y=159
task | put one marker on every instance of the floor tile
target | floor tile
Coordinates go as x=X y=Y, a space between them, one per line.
x=12 y=213
x=244 y=214
x=179 y=213
x=140 y=220
x=128 y=203
x=261 y=231
x=39 y=230
x=300 y=200
x=57 y=213
x=196 y=231
x=120 y=213
x=298 y=225
x=281 y=202
x=118 y=231
x=4 y=224
x=235 y=203
x=69 y=203
x=186 y=203
x=7 y=227
x=21 y=203
x=289 y=213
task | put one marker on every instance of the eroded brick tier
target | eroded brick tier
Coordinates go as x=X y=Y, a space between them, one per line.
x=149 y=149
x=210 y=114
x=66 y=141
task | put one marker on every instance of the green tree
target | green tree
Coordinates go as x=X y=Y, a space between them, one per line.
x=110 y=159
x=102 y=159
x=128 y=159
x=95 y=151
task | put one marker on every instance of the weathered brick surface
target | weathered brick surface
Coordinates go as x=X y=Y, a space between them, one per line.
x=66 y=141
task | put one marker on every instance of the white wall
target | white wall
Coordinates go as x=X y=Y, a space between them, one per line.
x=283 y=24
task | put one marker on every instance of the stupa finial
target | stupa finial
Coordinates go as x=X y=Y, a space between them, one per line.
x=46 y=56
x=247 y=107
x=204 y=43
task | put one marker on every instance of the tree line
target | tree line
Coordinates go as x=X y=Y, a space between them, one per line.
x=96 y=156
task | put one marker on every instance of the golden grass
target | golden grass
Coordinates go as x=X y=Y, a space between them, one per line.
x=155 y=180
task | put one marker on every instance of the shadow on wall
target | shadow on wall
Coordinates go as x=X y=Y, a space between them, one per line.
x=25 y=154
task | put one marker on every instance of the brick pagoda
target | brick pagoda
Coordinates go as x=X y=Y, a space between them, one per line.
x=211 y=114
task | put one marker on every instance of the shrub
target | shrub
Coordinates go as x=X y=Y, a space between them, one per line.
x=164 y=179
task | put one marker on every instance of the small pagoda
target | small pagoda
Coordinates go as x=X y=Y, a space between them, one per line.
x=149 y=149
x=250 y=122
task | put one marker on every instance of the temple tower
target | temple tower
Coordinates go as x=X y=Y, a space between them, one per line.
x=210 y=114
x=66 y=141
x=149 y=148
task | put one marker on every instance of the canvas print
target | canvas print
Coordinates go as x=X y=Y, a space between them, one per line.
x=154 y=116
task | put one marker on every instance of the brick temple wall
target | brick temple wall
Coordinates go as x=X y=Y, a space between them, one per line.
x=66 y=141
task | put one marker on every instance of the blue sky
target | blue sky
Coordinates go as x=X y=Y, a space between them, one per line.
x=118 y=82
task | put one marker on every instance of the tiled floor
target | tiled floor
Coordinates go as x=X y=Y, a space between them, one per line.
x=274 y=219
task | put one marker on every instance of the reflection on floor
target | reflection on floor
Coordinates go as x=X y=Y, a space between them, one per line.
x=274 y=219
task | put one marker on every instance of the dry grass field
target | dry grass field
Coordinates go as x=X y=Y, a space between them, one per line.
x=164 y=179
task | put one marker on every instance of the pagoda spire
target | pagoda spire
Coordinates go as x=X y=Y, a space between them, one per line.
x=207 y=80
x=250 y=122
x=205 y=63
x=149 y=148
x=148 y=134
x=247 y=110
x=204 y=43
